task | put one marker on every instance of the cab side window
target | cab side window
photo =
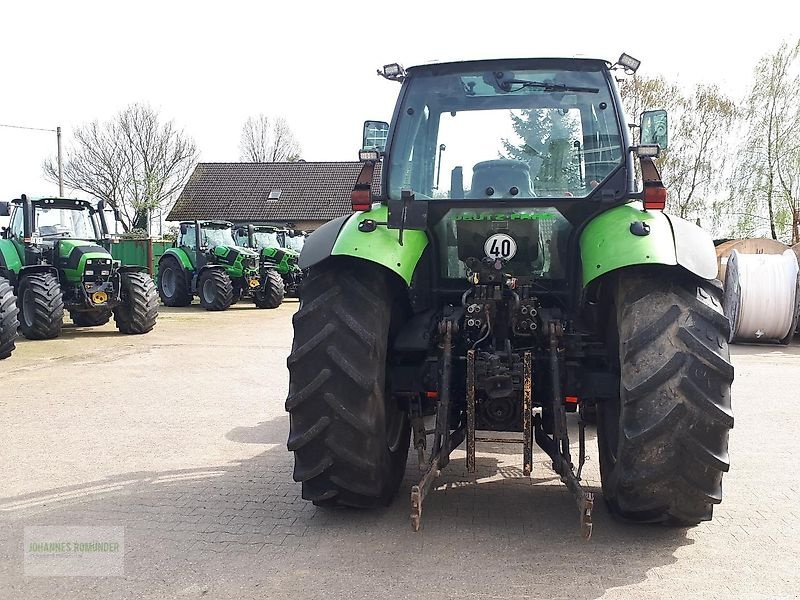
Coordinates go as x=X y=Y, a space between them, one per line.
x=16 y=227
x=189 y=238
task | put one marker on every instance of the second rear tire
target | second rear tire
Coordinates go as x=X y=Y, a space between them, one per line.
x=663 y=444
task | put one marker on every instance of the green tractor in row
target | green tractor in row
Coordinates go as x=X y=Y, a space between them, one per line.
x=514 y=267
x=55 y=252
x=205 y=261
x=8 y=318
x=279 y=249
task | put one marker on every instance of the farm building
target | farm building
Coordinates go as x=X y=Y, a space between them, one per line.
x=303 y=194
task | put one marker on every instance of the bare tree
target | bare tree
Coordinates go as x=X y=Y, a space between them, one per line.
x=268 y=140
x=135 y=162
x=693 y=166
x=641 y=93
x=768 y=166
x=696 y=162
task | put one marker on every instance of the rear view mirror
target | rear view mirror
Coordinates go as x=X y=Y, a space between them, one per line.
x=375 y=134
x=5 y=209
x=654 y=128
x=184 y=228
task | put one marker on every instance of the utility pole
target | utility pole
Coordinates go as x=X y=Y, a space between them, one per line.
x=60 y=175
x=57 y=131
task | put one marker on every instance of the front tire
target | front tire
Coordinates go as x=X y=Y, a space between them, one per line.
x=270 y=293
x=90 y=318
x=8 y=319
x=663 y=444
x=41 y=306
x=173 y=287
x=349 y=437
x=215 y=290
x=139 y=309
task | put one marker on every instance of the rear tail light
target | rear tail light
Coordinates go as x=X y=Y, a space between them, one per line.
x=654 y=197
x=361 y=197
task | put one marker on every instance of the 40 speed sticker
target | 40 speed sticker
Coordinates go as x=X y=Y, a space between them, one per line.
x=500 y=245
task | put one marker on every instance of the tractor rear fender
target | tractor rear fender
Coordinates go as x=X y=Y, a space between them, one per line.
x=181 y=255
x=626 y=235
x=183 y=259
x=342 y=237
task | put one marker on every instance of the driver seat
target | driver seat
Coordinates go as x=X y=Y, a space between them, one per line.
x=496 y=178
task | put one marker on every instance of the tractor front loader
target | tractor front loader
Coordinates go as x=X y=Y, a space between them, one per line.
x=512 y=270
x=56 y=255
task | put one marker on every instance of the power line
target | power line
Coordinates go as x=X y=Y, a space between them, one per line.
x=28 y=128
x=57 y=131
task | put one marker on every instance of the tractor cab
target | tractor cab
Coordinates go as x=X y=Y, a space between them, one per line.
x=257 y=236
x=292 y=239
x=213 y=242
x=49 y=228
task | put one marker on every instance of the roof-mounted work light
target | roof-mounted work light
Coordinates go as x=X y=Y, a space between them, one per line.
x=393 y=71
x=365 y=155
x=628 y=63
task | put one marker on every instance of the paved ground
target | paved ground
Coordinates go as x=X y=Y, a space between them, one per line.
x=178 y=436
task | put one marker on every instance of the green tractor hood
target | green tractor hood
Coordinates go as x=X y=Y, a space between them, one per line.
x=72 y=256
x=283 y=260
x=235 y=259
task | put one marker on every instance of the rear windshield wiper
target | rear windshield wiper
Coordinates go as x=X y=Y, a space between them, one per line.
x=546 y=86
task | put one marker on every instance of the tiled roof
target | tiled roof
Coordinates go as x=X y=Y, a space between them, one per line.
x=241 y=191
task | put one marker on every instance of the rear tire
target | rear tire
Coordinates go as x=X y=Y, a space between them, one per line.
x=139 y=309
x=215 y=290
x=8 y=319
x=90 y=318
x=663 y=445
x=173 y=287
x=41 y=306
x=271 y=292
x=350 y=439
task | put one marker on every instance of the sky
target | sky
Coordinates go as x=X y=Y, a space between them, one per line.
x=208 y=66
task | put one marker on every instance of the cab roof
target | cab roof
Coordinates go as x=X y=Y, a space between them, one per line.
x=56 y=201
x=209 y=223
x=581 y=64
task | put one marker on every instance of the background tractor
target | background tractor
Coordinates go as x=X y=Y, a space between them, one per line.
x=205 y=261
x=511 y=270
x=8 y=318
x=56 y=254
x=274 y=246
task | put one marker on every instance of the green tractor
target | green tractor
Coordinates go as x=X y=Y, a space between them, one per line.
x=56 y=254
x=275 y=253
x=206 y=261
x=8 y=318
x=512 y=269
